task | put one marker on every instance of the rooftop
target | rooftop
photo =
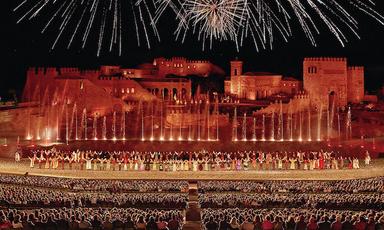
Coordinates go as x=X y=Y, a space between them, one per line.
x=260 y=74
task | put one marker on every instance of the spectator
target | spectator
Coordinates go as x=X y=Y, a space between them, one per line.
x=337 y=225
x=151 y=225
x=360 y=224
x=128 y=224
x=267 y=224
x=324 y=224
x=300 y=224
x=380 y=223
x=278 y=223
x=84 y=224
x=290 y=224
x=224 y=225
x=346 y=224
x=107 y=224
x=211 y=225
x=312 y=225
x=96 y=223
x=140 y=224
x=16 y=223
x=73 y=223
x=118 y=224
x=51 y=223
x=173 y=224
x=247 y=224
x=161 y=224
x=234 y=225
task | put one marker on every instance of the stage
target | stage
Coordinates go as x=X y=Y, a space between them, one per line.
x=9 y=166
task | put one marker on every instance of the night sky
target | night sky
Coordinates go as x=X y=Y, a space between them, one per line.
x=23 y=46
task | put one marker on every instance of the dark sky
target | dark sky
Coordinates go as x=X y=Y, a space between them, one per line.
x=23 y=45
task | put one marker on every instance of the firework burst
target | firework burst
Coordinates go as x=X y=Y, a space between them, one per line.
x=79 y=19
x=262 y=20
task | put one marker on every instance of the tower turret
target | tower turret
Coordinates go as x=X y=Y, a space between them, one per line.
x=236 y=68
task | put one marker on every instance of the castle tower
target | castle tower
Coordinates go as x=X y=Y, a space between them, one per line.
x=235 y=80
x=325 y=79
x=236 y=68
x=355 y=84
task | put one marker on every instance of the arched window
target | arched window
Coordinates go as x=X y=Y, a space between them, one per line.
x=312 y=69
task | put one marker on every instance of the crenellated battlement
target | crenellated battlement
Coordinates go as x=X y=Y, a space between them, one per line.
x=330 y=59
x=180 y=59
x=89 y=72
x=42 y=71
x=198 y=61
x=356 y=68
x=69 y=70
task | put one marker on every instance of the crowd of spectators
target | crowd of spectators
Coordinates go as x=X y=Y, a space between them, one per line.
x=292 y=200
x=31 y=202
x=96 y=185
x=291 y=219
x=295 y=186
x=89 y=218
x=21 y=196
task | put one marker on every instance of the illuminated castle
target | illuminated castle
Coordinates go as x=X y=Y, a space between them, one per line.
x=258 y=85
x=164 y=78
x=327 y=81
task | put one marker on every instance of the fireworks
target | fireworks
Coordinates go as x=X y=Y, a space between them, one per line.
x=104 y=20
x=262 y=20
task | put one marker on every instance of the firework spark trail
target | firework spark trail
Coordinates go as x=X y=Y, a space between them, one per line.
x=20 y=5
x=94 y=8
x=72 y=17
x=77 y=26
x=262 y=20
x=101 y=33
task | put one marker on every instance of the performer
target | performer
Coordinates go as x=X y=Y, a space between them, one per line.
x=95 y=161
x=17 y=156
x=142 y=165
x=238 y=164
x=350 y=163
x=147 y=163
x=119 y=161
x=88 y=164
x=293 y=163
x=268 y=161
x=286 y=161
x=125 y=162
x=81 y=161
x=47 y=161
x=187 y=165
x=367 y=159
x=40 y=160
x=341 y=162
x=356 y=163
x=114 y=161
x=61 y=159
x=261 y=159
x=305 y=163
x=206 y=160
x=71 y=159
x=101 y=162
x=279 y=162
x=32 y=159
